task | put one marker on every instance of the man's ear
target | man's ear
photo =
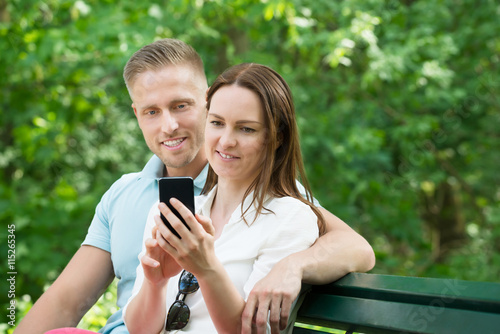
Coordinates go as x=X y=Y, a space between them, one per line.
x=135 y=110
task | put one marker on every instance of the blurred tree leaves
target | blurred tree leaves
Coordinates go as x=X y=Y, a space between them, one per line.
x=397 y=103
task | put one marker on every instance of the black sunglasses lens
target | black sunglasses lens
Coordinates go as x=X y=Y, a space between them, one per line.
x=178 y=315
x=188 y=283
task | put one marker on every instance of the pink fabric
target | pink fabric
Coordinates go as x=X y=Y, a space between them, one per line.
x=69 y=331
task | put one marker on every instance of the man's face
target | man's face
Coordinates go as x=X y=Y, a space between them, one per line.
x=170 y=108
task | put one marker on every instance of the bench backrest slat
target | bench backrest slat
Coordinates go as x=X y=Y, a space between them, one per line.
x=482 y=296
x=371 y=303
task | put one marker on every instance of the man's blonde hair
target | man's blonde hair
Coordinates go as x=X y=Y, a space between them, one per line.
x=162 y=53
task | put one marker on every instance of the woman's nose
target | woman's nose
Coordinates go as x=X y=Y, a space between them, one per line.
x=227 y=139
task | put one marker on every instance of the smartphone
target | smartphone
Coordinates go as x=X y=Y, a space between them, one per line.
x=180 y=188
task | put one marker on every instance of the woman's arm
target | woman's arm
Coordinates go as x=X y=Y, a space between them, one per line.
x=223 y=301
x=146 y=311
x=195 y=253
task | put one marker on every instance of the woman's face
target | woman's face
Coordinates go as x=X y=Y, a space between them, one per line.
x=236 y=134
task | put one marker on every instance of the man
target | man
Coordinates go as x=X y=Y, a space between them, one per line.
x=167 y=85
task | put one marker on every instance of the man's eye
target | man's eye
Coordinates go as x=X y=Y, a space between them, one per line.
x=181 y=106
x=151 y=112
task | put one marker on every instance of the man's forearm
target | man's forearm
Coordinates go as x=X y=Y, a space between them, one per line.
x=81 y=283
x=339 y=251
x=53 y=311
x=336 y=253
x=330 y=259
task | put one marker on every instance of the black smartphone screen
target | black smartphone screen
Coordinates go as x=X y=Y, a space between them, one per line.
x=180 y=188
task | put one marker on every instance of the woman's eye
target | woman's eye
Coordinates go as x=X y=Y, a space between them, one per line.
x=247 y=130
x=216 y=123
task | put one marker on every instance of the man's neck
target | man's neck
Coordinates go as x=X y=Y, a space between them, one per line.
x=193 y=169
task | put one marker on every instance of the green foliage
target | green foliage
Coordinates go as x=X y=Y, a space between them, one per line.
x=397 y=104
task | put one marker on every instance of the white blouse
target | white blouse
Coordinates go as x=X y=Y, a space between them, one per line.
x=247 y=251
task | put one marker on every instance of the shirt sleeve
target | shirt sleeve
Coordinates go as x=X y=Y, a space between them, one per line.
x=99 y=234
x=297 y=230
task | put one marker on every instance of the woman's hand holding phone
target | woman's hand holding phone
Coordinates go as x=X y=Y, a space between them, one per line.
x=194 y=250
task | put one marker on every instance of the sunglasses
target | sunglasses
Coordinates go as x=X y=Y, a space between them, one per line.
x=178 y=314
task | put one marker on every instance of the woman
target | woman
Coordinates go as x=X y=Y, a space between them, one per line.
x=251 y=215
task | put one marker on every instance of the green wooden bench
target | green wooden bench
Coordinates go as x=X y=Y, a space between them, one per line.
x=369 y=303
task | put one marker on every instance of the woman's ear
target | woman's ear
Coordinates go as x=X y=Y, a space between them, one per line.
x=279 y=139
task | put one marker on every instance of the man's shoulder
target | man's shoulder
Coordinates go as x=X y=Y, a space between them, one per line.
x=150 y=173
x=129 y=183
x=126 y=180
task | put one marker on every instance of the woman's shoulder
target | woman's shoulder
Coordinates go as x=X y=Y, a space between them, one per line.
x=288 y=205
x=286 y=200
x=291 y=216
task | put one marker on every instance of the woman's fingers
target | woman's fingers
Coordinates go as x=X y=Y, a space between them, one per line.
x=192 y=222
x=194 y=249
x=206 y=223
x=165 y=239
x=147 y=261
x=153 y=232
x=185 y=213
x=179 y=227
x=150 y=259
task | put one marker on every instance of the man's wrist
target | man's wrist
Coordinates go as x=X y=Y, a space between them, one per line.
x=292 y=265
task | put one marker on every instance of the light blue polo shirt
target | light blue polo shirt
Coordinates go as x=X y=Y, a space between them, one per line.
x=118 y=226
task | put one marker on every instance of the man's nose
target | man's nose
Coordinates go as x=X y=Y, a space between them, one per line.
x=169 y=123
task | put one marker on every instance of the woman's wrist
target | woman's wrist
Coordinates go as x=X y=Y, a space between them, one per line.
x=156 y=286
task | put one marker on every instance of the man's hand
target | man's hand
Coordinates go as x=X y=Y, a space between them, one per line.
x=339 y=251
x=273 y=295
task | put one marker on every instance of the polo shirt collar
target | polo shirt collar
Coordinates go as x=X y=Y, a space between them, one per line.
x=199 y=181
x=155 y=167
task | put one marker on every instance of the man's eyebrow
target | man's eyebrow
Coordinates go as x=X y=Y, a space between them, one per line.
x=151 y=106
x=189 y=101
x=183 y=100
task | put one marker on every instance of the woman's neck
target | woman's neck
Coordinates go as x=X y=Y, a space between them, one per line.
x=229 y=196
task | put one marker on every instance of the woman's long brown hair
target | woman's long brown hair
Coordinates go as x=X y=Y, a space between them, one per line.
x=283 y=164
